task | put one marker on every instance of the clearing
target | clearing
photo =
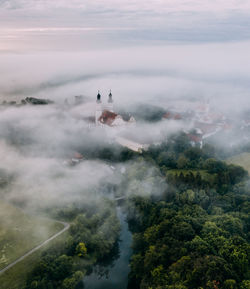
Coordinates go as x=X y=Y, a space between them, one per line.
x=242 y=159
x=20 y=232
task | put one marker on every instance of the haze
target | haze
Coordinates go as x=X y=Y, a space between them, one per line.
x=145 y=51
x=154 y=55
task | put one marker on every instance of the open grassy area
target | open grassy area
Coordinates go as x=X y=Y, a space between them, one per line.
x=241 y=160
x=15 y=277
x=20 y=232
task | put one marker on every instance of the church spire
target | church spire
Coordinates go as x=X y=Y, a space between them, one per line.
x=110 y=100
x=98 y=98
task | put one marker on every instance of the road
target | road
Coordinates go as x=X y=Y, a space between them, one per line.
x=66 y=227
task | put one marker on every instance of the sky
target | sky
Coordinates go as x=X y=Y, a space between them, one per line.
x=95 y=24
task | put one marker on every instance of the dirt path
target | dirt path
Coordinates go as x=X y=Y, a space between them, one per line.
x=66 y=227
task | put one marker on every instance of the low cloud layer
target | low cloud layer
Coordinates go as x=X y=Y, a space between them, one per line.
x=157 y=53
x=216 y=71
x=80 y=25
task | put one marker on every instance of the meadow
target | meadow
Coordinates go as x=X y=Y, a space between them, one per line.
x=20 y=232
x=242 y=159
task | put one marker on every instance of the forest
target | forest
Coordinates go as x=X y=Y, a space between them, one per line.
x=196 y=234
x=188 y=211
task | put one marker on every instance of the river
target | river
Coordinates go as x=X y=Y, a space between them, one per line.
x=117 y=273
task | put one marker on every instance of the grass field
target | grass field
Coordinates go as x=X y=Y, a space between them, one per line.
x=241 y=160
x=20 y=232
x=15 y=277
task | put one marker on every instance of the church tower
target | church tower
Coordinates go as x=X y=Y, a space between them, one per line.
x=98 y=111
x=110 y=102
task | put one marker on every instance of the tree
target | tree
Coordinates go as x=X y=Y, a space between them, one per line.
x=81 y=250
x=188 y=197
x=159 y=276
x=198 y=180
x=214 y=166
x=236 y=174
x=63 y=266
x=182 y=231
x=199 y=246
x=245 y=284
x=151 y=259
x=182 y=162
x=230 y=284
x=193 y=154
x=70 y=283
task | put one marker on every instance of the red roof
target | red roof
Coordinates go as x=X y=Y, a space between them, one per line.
x=107 y=117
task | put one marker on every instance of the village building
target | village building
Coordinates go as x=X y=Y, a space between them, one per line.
x=132 y=145
x=105 y=114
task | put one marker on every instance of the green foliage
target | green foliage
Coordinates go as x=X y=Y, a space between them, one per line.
x=182 y=162
x=188 y=247
x=81 y=250
x=230 y=284
x=62 y=266
x=71 y=283
x=245 y=284
x=197 y=236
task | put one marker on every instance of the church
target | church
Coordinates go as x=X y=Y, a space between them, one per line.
x=105 y=115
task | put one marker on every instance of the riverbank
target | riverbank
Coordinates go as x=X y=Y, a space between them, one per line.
x=117 y=273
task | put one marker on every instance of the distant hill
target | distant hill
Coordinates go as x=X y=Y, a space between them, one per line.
x=36 y=101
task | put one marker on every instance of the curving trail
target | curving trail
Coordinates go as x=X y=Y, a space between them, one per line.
x=66 y=227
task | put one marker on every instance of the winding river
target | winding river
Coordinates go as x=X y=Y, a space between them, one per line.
x=117 y=273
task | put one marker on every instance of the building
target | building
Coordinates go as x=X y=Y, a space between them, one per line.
x=132 y=145
x=98 y=110
x=105 y=114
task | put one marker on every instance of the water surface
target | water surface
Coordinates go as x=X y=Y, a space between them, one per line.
x=117 y=276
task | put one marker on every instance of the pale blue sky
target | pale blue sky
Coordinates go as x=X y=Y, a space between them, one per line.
x=97 y=23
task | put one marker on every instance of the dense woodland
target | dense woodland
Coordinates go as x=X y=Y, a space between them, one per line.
x=197 y=234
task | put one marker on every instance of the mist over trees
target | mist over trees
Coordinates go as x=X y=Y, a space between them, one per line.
x=180 y=70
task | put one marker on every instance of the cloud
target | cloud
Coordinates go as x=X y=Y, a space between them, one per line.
x=42 y=182
x=35 y=141
x=47 y=24
x=155 y=5
x=135 y=73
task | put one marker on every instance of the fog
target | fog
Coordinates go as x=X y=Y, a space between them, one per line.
x=38 y=141
x=155 y=53
x=35 y=141
x=213 y=71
